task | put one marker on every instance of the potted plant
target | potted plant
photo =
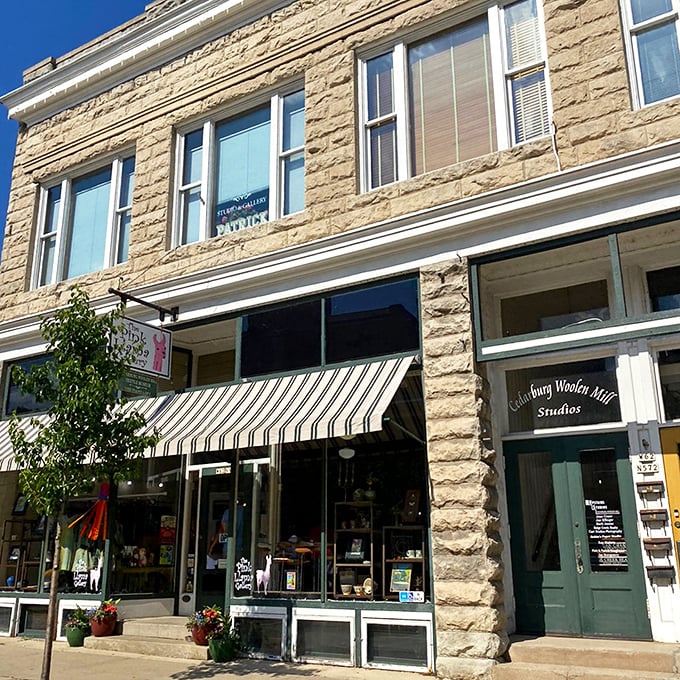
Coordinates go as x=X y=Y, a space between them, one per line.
x=223 y=640
x=77 y=627
x=201 y=622
x=103 y=618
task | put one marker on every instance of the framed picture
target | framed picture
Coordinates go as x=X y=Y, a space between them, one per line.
x=20 y=505
x=401 y=578
x=14 y=553
x=356 y=550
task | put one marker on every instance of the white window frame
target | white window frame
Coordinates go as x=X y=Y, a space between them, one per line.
x=501 y=76
x=206 y=183
x=63 y=223
x=631 y=31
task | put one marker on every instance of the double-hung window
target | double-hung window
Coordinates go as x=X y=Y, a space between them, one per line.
x=243 y=171
x=455 y=95
x=85 y=222
x=653 y=29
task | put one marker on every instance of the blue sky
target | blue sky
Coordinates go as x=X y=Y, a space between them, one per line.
x=32 y=30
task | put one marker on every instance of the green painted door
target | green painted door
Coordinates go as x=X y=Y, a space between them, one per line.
x=576 y=559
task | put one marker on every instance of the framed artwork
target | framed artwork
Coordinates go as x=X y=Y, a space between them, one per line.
x=401 y=578
x=356 y=550
x=20 y=505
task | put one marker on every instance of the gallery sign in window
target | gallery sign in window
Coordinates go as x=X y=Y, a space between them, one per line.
x=241 y=172
x=579 y=393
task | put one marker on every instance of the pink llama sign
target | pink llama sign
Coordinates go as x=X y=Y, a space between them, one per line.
x=155 y=346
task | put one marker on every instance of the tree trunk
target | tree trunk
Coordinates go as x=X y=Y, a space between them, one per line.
x=50 y=630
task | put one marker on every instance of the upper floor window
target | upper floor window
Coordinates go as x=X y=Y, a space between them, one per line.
x=454 y=96
x=653 y=43
x=85 y=222
x=242 y=171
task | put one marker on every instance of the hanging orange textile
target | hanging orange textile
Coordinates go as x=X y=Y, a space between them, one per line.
x=96 y=518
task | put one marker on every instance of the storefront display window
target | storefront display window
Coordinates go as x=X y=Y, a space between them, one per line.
x=566 y=395
x=145 y=530
x=304 y=519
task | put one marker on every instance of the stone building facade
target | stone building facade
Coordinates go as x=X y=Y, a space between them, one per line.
x=543 y=254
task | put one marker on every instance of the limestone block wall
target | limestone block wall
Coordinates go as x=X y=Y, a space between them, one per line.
x=466 y=545
x=315 y=43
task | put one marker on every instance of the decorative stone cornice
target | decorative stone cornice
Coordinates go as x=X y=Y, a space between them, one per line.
x=144 y=46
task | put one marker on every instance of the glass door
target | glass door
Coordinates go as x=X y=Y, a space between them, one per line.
x=576 y=556
x=213 y=545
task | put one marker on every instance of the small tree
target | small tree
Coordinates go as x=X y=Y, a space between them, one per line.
x=87 y=434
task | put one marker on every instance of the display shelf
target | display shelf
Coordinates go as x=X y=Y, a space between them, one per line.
x=404 y=561
x=20 y=550
x=354 y=551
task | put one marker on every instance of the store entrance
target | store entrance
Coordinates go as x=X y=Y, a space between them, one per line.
x=215 y=499
x=576 y=558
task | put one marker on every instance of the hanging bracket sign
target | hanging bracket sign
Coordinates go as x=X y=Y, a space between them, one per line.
x=150 y=346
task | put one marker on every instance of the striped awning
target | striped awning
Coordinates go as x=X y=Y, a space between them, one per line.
x=316 y=405
x=150 y=408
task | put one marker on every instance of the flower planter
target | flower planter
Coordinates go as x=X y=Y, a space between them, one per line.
x=103 y=627
x=222 y=650
x=199 y=634
x=75 y=636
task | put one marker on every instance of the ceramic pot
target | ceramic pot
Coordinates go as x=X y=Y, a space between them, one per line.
x=104 y=626
x=75 y=637
x=199 y=633
x=222 y=650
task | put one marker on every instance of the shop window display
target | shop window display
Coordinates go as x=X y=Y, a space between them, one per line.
x=322 y=515
x=140 y=520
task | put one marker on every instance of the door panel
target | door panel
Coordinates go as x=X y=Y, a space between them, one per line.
x=579 y=572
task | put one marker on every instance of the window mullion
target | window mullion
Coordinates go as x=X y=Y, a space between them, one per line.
x=58 y=272
x=178 y=196
x=39 y=257
x=400 y=85
x=276 y=174
x=364 y=179
x=208 y=180
x=111 y=221
x=501 y=83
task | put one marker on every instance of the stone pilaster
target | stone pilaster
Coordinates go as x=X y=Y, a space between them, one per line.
x=468 y=593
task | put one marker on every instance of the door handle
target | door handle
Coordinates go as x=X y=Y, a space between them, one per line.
x=579 y=556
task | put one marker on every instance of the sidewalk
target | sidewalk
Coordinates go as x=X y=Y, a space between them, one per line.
x=21 y=659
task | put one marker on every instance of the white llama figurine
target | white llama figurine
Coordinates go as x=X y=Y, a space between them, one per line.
x=262 y=575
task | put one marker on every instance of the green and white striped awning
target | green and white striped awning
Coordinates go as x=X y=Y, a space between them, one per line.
x=316 y=405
